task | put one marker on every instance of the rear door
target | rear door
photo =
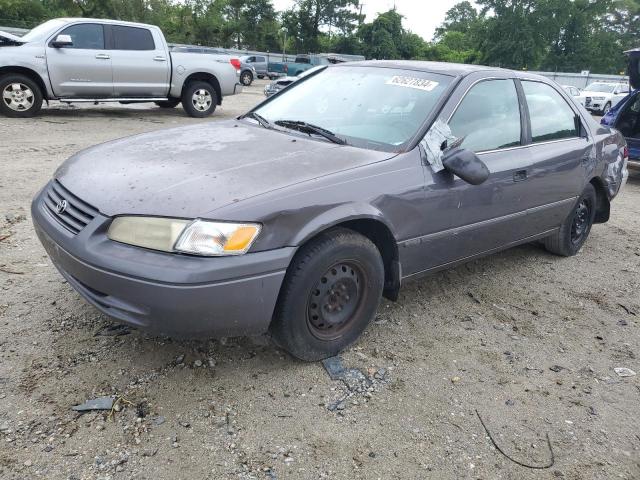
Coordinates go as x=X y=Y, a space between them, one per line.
x=561 y=154
x=141 y=66
x=82 y=70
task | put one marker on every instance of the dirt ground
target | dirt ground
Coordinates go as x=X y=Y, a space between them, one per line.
x=528 y=340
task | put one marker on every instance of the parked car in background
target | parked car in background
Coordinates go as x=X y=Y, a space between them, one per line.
x=258 y=62
x=625 y=116
x=574 y=92
x=283 y=82
x=303 y=63
x=297 y=217
x=600 y=97
x=88 y=60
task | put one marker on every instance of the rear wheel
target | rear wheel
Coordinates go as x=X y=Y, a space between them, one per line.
x=171 y=103
x=330 y=294
x=20 y=97
x=576 y=228
x=199 y=99
x=246 y=78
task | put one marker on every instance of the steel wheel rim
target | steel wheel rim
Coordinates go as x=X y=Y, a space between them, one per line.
x=201 y=100
x=335 y=300
x=18 y=97
x=580 y=224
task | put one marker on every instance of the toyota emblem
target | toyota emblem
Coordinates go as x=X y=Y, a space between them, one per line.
x=61 y=207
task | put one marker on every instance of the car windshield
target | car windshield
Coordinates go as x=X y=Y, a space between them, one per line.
x=601 y=87
x=369 y=107
x=42 y=31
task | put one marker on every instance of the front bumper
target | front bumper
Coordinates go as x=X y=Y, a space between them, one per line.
x=173 y=294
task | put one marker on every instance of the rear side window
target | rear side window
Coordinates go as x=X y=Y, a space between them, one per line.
x=551 y=116
x=132 y=38
x=488 y=118
x=88 y=36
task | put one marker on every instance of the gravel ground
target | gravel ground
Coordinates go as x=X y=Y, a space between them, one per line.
x=527 y=339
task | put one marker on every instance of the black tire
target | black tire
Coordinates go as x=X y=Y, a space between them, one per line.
x=576 y=228
x=189 y=104
x=330 y=294
x=606 y=109
x=260 y=76
x=246 y=78
x=171 y=103
x=28 y=100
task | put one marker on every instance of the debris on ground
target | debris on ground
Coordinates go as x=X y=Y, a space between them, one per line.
x=549 y=464
x=113 y=330
x=356 y=381
x=100 y=403
x=624 y=372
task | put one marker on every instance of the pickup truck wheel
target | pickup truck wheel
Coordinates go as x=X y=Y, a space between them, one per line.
x=20 y=97
x=246 y=78
x=199 y=99
x=330 y=294
x=171 y=103
x=576 y=228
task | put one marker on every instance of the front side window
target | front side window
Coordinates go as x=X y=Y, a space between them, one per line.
x=87 y=36
x=132 y=38
x=488 y=118
x=551 y=116
x=259 y=59
x=371 y=107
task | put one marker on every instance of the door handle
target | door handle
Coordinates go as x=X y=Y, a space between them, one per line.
x=520 y=176
x=160 y=59
x=103 y=56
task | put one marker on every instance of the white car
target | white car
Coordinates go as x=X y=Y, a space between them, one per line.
x=600 y=97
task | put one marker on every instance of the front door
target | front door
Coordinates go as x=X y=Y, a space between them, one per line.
x=491 y=215
x=141 y=65
x=82 y=70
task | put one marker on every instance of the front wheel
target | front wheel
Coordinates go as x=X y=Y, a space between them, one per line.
x=330 y=294
x=576 y=228
x=20 y=97
x=606 y=109
x=199 y=99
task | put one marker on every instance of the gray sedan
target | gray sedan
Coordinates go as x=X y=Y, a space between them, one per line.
x=297 y=217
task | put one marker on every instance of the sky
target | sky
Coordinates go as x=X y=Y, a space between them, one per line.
x=421 y=16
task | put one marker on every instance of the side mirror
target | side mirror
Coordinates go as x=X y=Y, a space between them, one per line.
x=467 y=165
x=62 y=41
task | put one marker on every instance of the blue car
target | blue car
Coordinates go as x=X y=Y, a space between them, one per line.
x=625 y=116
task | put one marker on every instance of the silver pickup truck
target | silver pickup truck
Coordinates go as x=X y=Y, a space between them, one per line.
x=87 y=60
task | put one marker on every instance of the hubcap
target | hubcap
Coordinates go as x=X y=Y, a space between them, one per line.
x=246 y=79
x=18 y=97
x=334 y=300
x=580 y=225
x=202 y=100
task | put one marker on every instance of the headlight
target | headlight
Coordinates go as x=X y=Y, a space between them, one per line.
x=198 y=237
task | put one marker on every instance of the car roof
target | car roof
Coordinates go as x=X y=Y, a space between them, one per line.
x=106 y=21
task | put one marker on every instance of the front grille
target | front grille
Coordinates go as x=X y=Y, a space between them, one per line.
x=70 y=212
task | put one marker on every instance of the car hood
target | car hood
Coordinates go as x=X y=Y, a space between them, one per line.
x=9 y=39
x=189 y=172
x=587 y=93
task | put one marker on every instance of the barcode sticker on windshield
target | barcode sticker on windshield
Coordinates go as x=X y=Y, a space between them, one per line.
x=412 y=82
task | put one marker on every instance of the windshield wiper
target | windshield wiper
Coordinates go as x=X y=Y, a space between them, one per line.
x=259 y=118
x=309 y=128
